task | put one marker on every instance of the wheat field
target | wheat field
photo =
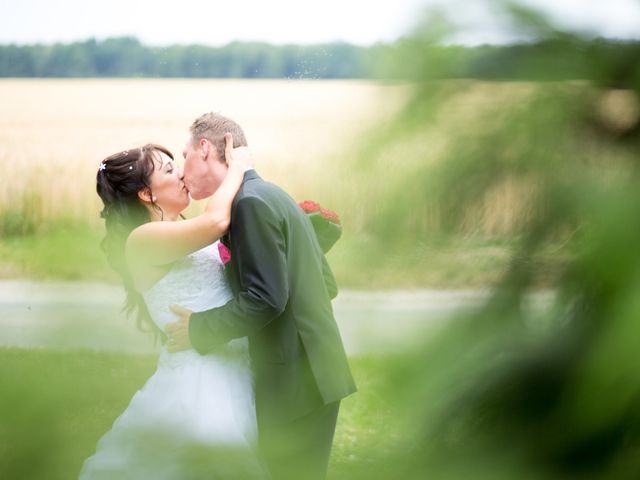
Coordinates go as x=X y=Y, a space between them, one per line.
x=54 y=132
x=337 y=142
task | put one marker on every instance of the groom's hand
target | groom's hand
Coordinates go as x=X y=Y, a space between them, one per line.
x=238 y=155
x=178 y=332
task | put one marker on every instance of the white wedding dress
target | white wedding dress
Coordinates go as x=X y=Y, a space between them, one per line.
x=195 y=417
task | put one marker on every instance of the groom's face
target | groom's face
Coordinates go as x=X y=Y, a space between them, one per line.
x=203 y=170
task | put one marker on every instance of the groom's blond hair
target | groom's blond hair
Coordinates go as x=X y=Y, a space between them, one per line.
x=212 y=126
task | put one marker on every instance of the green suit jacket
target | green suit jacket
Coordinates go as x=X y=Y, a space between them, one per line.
x=283 y=288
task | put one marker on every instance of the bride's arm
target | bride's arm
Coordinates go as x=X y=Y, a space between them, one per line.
x=159 y=243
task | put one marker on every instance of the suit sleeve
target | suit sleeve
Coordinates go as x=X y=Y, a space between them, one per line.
x=259 y=244
x=329 y=279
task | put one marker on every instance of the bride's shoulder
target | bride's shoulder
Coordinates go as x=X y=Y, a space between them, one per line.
x=148 y=276
x=145 y=276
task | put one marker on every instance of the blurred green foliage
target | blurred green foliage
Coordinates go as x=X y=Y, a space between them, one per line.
x=56 y=405
x=508 y=391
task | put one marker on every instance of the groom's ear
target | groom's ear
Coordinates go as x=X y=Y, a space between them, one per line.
x=204 y=145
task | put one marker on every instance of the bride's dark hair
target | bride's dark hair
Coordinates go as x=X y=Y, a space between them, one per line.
x=120 y=177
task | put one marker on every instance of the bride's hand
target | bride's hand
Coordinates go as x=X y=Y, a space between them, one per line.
x=237 y=156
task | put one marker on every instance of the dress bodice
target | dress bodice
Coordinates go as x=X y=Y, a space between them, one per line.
x=195 y=282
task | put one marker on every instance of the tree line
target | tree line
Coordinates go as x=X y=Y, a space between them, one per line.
x=551 y=59
x=128 y=57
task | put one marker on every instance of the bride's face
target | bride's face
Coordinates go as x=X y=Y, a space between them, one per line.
x=167 y=185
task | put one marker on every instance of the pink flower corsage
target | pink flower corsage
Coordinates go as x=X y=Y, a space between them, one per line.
x=225 y=253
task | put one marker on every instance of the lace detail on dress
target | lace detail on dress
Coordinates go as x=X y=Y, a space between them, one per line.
x=195 y=282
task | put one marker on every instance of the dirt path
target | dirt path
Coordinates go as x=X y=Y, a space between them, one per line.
x=86 y=315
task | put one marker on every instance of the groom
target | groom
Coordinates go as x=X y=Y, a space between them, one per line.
x=283 y=288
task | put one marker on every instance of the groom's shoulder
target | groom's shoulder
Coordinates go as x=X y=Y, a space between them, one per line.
x=269 y=193
x=257 y=187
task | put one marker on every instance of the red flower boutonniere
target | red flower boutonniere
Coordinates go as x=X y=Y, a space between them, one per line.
x=325 y=222
x=225 y=253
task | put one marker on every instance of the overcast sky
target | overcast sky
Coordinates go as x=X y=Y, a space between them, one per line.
x=216 y=22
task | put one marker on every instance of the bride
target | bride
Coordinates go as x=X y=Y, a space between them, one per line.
x=195 y=417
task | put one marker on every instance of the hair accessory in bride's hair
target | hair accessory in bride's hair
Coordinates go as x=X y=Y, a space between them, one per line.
x=103 y=166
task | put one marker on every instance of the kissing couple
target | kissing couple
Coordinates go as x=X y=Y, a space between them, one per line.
x=252 y=368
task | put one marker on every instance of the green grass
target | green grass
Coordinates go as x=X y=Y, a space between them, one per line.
x=55 y=406
x=64 y=252
x=73 y=253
